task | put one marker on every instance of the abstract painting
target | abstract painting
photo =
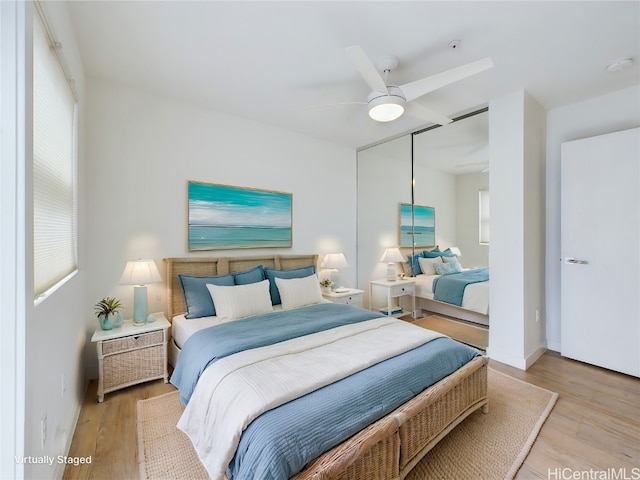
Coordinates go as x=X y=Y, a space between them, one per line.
x=421 y=228
x=224 y=216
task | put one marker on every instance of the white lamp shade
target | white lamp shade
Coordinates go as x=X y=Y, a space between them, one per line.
x=334 y=260
x=392 y=255
x=140 y=272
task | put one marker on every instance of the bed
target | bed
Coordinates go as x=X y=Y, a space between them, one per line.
x=473 y=306
x=385 y=448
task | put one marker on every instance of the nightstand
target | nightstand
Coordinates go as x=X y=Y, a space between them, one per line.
x=131 y=354
x=391 y=291
x=352 y=296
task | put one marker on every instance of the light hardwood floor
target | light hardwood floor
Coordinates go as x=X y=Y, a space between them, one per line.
x=595 y=425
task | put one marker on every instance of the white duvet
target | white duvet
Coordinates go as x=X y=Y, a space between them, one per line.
x=237 y=389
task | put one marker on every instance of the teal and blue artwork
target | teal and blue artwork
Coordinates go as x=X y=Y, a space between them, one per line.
x=417 y=224
x=225 y=217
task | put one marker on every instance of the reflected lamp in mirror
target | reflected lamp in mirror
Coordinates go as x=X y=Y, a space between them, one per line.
x=334 y=262
x=392 y=256
x=140 y=273
x=455 y=251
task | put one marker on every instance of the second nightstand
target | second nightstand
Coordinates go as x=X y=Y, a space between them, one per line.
x=392 y=290
x=352 y=296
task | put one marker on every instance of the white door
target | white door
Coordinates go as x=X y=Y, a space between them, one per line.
x=600 y=249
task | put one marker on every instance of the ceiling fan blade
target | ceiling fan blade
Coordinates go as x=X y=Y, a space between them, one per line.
x=335 y=104
x=366 y=68
x=423 y=113
x=421 y=87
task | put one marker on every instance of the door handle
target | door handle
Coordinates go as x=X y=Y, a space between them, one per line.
x=573 y=261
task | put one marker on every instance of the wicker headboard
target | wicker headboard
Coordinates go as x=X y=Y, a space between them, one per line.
x=207 y=266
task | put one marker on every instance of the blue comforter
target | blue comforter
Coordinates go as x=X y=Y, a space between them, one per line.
x=280 y=442
x=210 y=344
x=450 y=288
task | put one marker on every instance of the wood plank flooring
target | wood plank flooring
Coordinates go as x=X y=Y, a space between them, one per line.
x=476 y=336
x=595 y=424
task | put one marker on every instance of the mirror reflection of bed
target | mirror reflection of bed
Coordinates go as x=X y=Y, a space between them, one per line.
x=462 y=312
x=450 y=169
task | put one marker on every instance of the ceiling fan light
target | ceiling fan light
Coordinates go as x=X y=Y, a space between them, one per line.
x=386 y=108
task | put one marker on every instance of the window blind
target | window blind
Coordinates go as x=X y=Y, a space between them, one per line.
x=54 y=166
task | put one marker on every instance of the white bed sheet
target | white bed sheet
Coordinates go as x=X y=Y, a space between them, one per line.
x=182 y=328
x=475 y=298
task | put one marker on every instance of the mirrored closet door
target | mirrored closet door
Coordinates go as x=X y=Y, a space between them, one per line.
x=437 y=171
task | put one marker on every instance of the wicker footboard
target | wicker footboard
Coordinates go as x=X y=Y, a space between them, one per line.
x=391 y=447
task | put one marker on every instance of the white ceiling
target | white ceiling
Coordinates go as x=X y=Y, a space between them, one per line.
x=270 y=61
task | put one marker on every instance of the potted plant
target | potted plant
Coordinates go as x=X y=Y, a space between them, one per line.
x=326 y=285
x=108 y=314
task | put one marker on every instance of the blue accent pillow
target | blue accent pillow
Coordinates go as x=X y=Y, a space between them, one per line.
x=253 y=275
x=196 y=295
x=432 y=253
x=414 y=265
x=447 y=253
x=294 y=273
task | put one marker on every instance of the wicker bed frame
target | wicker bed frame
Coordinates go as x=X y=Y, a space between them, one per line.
x=389 y=448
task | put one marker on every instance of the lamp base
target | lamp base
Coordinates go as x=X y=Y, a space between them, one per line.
x=335 y=279
x=140 y=305
x=391 y=272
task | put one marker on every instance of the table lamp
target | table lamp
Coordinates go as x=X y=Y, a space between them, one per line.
x=334 y=261
x=140 y=273
x=392 y=256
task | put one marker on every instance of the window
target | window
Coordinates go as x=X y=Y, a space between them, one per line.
x=54 y=164
x=483 y=209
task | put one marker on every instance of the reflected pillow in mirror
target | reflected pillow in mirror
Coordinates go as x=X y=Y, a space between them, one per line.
x=427 y=265
x=445 y=268
x=454 y=260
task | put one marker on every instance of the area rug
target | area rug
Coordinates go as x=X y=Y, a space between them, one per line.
x=463 y=332
x=483 y=446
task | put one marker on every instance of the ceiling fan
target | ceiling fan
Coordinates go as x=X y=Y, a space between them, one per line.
x=388 y=102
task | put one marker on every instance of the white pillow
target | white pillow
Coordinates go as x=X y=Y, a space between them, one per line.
x=298 y=292
x=426 y=265
x=239 y=301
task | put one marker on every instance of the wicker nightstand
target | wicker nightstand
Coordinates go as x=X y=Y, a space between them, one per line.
x=131 y=354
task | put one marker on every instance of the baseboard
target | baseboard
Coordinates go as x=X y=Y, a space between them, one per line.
x=554 y=345
x=506 y=358
x=58 y=472
x=518 y=362
x=533 y=357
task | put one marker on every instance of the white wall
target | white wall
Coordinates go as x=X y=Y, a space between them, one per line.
x=54 y=335
x=533 y=248
x=468 y=220
x=516 y=138
x=609 y=113
x=143 y=148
